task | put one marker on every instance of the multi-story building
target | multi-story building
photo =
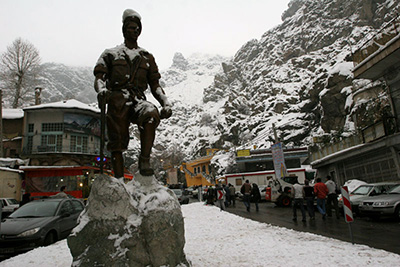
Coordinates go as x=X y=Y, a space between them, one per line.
x=62 y=142
x=65 y=133
x=197 y=171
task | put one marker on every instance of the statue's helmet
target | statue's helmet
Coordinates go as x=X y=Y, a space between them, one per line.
x=131 y=15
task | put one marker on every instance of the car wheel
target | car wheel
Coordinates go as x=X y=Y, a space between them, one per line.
x=284 y=201
x=50 y=238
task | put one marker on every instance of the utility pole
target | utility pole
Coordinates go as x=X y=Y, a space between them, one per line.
x=275 y=134
x=1 y=123
x=38 y=91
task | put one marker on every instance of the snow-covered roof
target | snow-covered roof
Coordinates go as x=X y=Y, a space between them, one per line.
x=65 y=104
x=12 y=113
x=10 y=170
x=11 y=162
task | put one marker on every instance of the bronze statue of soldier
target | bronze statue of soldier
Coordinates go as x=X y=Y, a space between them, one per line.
x=122 y=75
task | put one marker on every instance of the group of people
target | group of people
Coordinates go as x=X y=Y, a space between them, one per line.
x=250 y=192
x=225 y=195
x=325 y=194
x=222 y=194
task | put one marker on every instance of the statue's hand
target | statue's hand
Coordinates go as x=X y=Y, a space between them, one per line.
x=166 y=112
x=102 y=97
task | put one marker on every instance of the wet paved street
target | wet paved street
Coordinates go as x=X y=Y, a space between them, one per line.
x=383 y=234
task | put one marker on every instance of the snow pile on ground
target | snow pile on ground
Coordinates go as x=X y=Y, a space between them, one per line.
x=215 y=238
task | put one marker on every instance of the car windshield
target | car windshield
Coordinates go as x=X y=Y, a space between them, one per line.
x=290 y=179
x=395 y=190
x=12 y=201
x=362 y=190
x=36 y=209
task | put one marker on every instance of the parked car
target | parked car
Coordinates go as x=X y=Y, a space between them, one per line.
x=361 y=193
x=8 y=206
x=38 y=223
x=189 y=190
x=383 y=205
x=182 y=198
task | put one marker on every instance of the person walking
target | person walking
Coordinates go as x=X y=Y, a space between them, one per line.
x=220 y=196
x=309 y=197
x=210 y=195
x=227 y=195
x=321 y=191
x=232 y=194
x=246 y=191
x=255 y=195
x=332 y=198
x=298 y=201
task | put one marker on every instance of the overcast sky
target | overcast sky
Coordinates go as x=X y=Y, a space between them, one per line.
x=75 y=32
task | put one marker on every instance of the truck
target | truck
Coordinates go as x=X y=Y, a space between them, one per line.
x=274 y=189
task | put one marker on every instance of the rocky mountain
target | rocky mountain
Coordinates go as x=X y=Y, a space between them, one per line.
x=60 y=82
x=297 y=78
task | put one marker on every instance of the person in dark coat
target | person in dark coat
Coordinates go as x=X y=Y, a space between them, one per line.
x=210 y=195
x=309 y=198
x=255 y=195
x=227 y=195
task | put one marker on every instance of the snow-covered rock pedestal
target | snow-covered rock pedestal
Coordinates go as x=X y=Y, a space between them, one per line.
x=135 y=224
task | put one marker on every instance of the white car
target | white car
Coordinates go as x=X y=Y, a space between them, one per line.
x=8 y=206
x=363 y=192
x=383 y=205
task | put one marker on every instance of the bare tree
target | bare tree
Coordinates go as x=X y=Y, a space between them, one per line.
x=19 y=67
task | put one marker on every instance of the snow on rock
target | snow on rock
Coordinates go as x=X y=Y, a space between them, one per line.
x=129 y=225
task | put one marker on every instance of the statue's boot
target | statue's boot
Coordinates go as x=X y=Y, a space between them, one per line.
x=118 y=164
x=147 y=135
x=144 y=166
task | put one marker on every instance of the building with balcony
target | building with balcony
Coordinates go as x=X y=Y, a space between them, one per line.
x=197 y=171
x=375 y=156
x=65 y=133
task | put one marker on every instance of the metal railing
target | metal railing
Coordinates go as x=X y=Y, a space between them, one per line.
x=327 y=150
x=373 y=132
x=389 y=31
